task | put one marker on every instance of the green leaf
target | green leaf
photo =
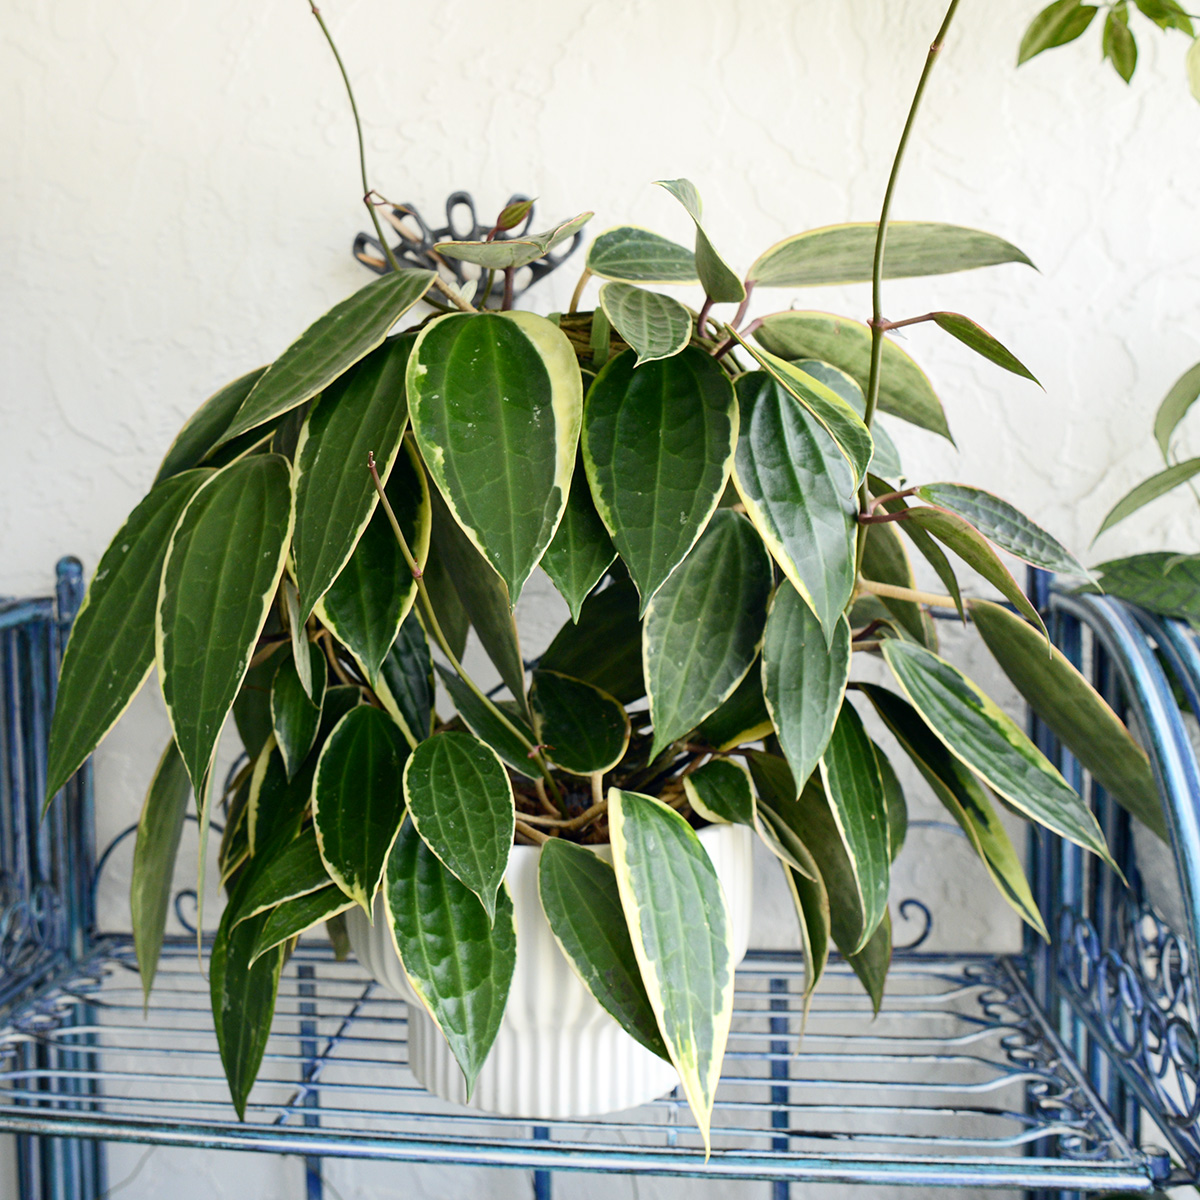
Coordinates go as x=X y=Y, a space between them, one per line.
x=872 y=962
x=720 y=791
x=742 y=718
x=511 y=215
x=487 y=727
x=1004 y=525
x=1193 y=69
x=681 y=934
x=1166 y=14
x=252 y=708
x=963 y=796
x=1118 y=43
x=1175 y=406
x=716 y=277
x=799 y=493
x=510 y=253
x=459 y=962
x=854 y=785
x=885 y=460
x=604 y=648
x=111 y=649
x=978 y=733
x=633 y=255
x=451 y=614
x=886 y=561
x=368 y=602
x=1163 y=582
x=599 y=339
x=704 y=626
x=1150 y=489
x=405 y=685
x=803 y=680
x=904 y=392
x=294 y=917
x=846 y=254
x=160 y=827
x=581 y=550
x=896 y=804
x=582 y=903
x=653 y=324
x=203 y=430
x=358 y=800
x=223 y=566
x=584 y=730
x=297 y=634
x=363 y=412
x=658 y=446
x=495 y=401
x=460 y=800
x=275 y=805
x=973 y=335
x=289 y=870
x=811 y=900
x=294 y=717
x=924 y=542
x=1056 y=25
x=330 y=346
x=1074 y=711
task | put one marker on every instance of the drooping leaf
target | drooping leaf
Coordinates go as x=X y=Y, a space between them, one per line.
x=680 y=929
x=287 y=871
x=510 y=253
x=584 y=730
x=358 y=800
x=703 y=628
x=297 y=633
x=1157 y=485
x=294 y=717
x=511 y=744
x=904 y=391
x=459 y=962
x=1175 y=406
x=1118 y=43
x=653 y=324
x=1056 y=25
x=721 y=791
x=717 y=278
x=871 y=963
x=895 y=802
x=275 y=805
x=330 y=346
x=294 y=917
x=885 y=561
x=495 y=401
x=203 y=430
x=111 y=648
x=1163 y=582
x=742 y=718
x=632 y=255
x=846 y=254
x=581 y=550
x=405 y=684
x=460 y=800
x=582 y=903
x=799 y=493
x=1166 y=14
x=811 y=900
x=974 y=336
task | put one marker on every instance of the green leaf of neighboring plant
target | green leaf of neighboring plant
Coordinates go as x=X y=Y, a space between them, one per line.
x=1075 y=711
x=1163 y=582
x=716 y=277
x=367 y=603
x=803 y=680
x=1175 y=406
x=653 y=324
x=721 y=791
x=461 y=802
x=1004 y=525
x=799 y=493
x=742 y=718
x=846 y=254
x=287 y=871
x=905 y=391
x=658 y=446
x=886 y=561
x=977 y=732
x=330 y=347
x=704 y=626
x=405 y=685
x=963 y=796
x=203 y=430
x=871 y=963
x=459 y=962
x=1056 y=25
x=511 y=253
x=634 y=255
x=295 y=718
x=294 y=917
x=495 y=401
x=488 y=728
x=582 y=903
x=1150 y=489
x=159 y=829
x=1166 y=14
x=584 y=730
x=218 y=582
x=679 y=925
x=111 y=649
x=358 y=800
x=973 y=335
x=581 y=550
x=854 y=785
x=1193 y=69
x=1118 y=43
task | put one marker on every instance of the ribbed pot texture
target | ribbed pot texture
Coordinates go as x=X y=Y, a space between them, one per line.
x=558 y=1053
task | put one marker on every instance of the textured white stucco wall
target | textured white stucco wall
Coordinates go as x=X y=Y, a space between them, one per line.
x=178 y=195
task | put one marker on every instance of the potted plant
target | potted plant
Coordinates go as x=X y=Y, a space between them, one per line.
x=564 y=869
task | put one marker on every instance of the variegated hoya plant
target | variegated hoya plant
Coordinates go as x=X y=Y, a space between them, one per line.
x=730 y=526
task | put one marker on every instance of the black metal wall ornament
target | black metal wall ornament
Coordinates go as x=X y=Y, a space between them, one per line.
x=462 y=224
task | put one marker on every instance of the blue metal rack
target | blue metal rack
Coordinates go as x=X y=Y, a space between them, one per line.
x=1059 y=1071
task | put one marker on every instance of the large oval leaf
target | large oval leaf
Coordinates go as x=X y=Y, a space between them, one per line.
x=294 y=717
x=718 y=279
x=461 y=803
x=635 y=255
x=111 y=649
x=220 y=576
x=658 y=446
x=203 y=430
x=330 y=346
x=846 y=254
x=799 y=493
x=703 y=627
x=1056 y=25
x=584 y=730
x=581 y=550
x=459 y=961
x=904 y=391
x=653 y=324
x=495 y=400
x=364 y=412
x=358 y=800
x=679 y=924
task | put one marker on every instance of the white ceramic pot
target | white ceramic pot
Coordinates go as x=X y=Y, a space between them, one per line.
x=558 y=1053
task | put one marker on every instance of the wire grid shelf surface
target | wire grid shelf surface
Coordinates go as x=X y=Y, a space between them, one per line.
x=959 y=1081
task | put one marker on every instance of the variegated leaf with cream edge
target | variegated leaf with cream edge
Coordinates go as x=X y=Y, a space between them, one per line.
x=656 y=326
x=203 y=430
x=511 y=253
x=584 y=731
x=405 y=683
x=511 y=744
x=629 y=254
x=294 y=717
x=718 y=279
x=291 y=870
x=721 y=791
x=294 y=917
x=581 y=550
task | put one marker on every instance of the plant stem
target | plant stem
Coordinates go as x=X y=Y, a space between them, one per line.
x=893 y=592
x=452 y=295
x=877 y=321
x=507 y=302
x=586 y=817
x=577 y=294
x=929 y=316
x=539 y=839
